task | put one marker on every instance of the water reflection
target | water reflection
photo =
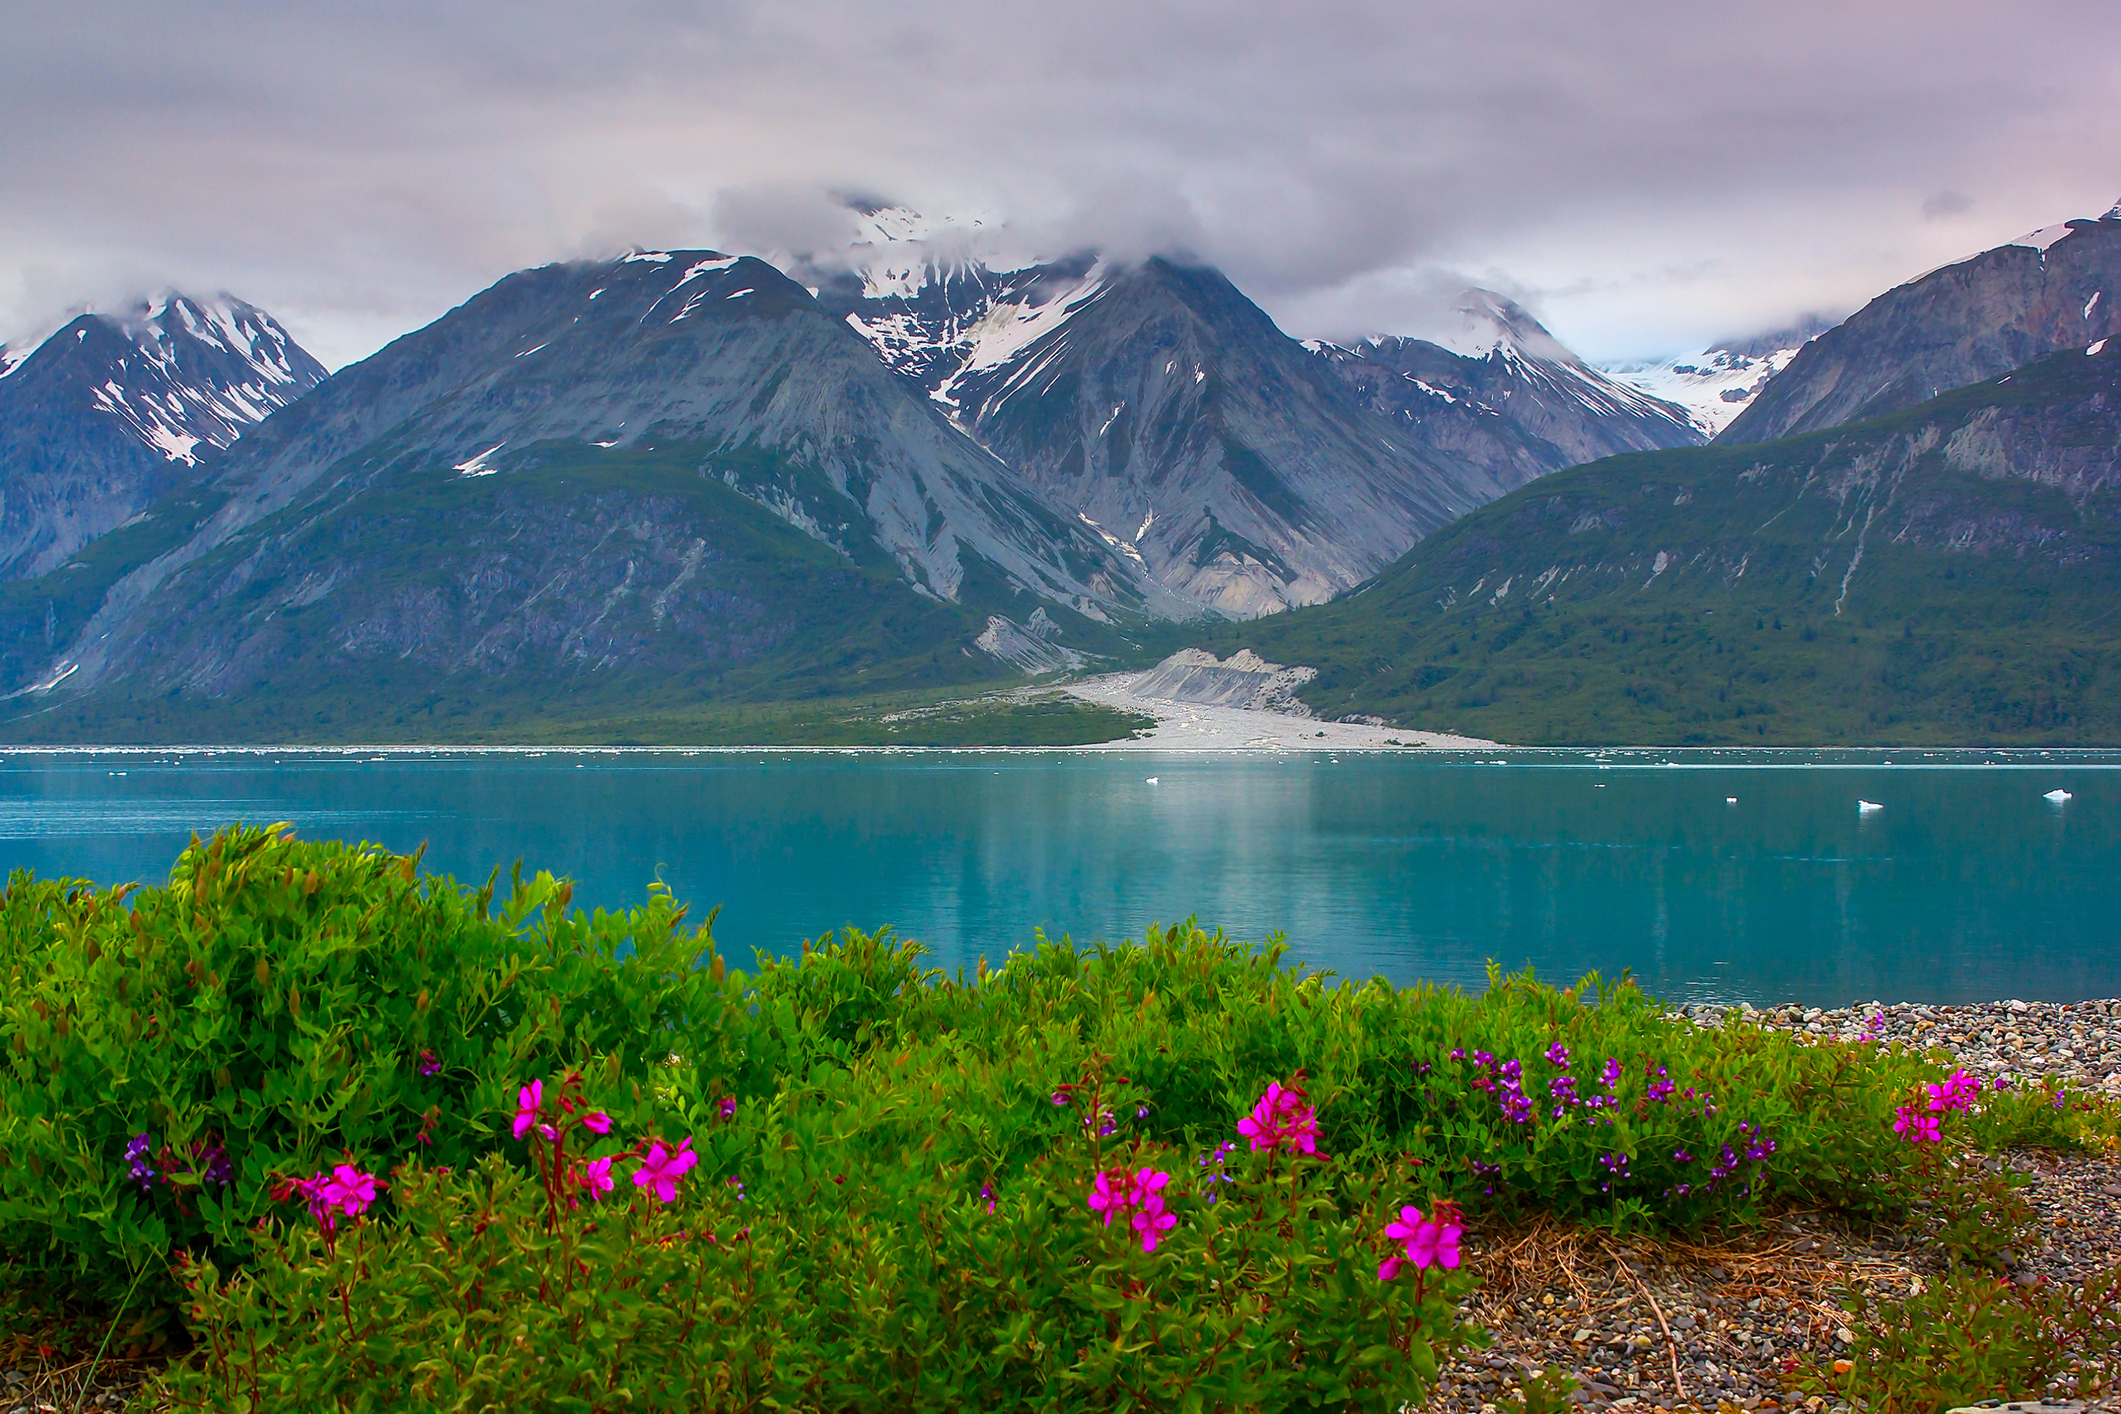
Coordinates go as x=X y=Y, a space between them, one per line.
x=1967 y=885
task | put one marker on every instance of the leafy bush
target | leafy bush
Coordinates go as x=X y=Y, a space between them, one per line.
x=167 y=1055
x=836 y=1274
x=1970 y=1338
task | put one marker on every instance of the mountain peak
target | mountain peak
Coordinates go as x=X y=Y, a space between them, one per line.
x=1488 y=323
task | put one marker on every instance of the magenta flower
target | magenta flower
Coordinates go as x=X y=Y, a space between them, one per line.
x=662 y=1169
x=1918 y=1127
x=1435 y=1242
x=1109 y=1194
x=529 y=1101
x=597 y=1122
x=1283 y=1118
x=1151 y=1220
x=596 y=1178
x=1956 y=1093
x=1137 y=1197
x=1429 y=1242
x=350 y=1190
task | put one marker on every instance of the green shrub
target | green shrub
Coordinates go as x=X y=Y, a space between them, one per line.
x=269 y=1011
x=838 y=1273
x=1970 y=1338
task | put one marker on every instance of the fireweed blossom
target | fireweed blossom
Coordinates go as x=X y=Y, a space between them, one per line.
x=595 y=1178
x=1283 y=1119
x=530 y=1105
x=1429 y=1242
x=1956 y=1093
x=663 y=1167
x=1919 y=1128
x=1136 y=1197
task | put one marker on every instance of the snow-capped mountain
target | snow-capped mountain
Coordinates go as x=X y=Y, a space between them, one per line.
x=1501 y=391
x=1166 y=411
x=115 y=410
x=1978 y=318
x=1717 y=383
x=667 y=468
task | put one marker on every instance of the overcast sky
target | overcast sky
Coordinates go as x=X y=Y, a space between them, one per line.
x=1645 y=175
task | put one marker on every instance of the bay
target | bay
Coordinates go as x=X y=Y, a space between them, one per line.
x=1711 y=876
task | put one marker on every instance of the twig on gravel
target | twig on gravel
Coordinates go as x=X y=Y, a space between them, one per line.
x=1671 y=1345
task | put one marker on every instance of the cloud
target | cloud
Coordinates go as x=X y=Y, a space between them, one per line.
x=1666 y=172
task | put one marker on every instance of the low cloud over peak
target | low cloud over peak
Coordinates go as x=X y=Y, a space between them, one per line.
x=1643 y=178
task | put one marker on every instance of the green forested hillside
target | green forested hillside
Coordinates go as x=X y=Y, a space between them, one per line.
x=1950 y=574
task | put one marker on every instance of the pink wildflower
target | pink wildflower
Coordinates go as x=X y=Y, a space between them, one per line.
x=1283 y=1118
x=1429 y=1242
x=597 y=1122
x=529 y=1101
x=596 y=1178
x=1918 y=1127
x=1151 y=1220
x=1110 y=1193
x=663 y=1167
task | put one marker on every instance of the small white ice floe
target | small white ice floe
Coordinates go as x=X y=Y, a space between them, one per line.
x=1150 y=782
x=1730 y=800
x=2058 y=796
x=1865 y=807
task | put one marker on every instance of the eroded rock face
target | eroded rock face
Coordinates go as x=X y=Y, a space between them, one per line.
x=1975 y=320
x=1243 y=680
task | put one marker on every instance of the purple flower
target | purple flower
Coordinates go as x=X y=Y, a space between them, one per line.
x=1610 y=1075
x=727 y=1105
x=430 y=1063
x=136 y=1155
x=1558 y=1054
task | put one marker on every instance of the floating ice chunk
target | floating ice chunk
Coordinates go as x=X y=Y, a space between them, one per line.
x=1865 y=807
x=2095 y=349
x=1730 y=800
x=2058 y=796
x=1150 y=782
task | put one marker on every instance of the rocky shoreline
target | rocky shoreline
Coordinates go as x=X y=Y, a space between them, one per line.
x=1727 y=1321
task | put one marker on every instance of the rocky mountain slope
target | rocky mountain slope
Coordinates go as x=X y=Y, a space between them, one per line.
x=1979 y=318
x=1943 y=574
x=671 y=467
x=114 y=411
x=1167 y=412
x=1505 y=395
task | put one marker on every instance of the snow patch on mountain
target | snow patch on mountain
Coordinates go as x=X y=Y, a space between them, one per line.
x=200 y=372
x=1717 y=383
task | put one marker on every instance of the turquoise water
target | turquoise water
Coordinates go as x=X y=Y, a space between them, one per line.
x=1966 y=886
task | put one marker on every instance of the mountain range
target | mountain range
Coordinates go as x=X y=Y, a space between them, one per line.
x=609 y=488
x=1945 y=574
